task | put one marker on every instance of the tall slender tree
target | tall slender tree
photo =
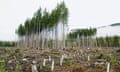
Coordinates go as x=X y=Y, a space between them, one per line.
x=37 y=30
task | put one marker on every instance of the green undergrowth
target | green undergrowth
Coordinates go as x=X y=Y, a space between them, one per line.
x=2 y=69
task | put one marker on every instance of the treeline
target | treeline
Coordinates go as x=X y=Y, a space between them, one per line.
x=82 y=33
x=108 y=41
x=7 y=44
x=82 y=37
x=87 y=38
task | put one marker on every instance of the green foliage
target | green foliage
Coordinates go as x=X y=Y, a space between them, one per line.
x=66 y=63
x=113 y=61
x=21 y=30
x=43 y=20
x=7 y=44
x=2 y=69
x=82 y=32
x=18 y=55
x=17 y=69
x=108 y=41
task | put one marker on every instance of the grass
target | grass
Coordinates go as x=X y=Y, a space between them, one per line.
x=2 y=68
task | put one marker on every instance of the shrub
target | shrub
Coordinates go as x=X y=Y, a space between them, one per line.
x=66 y=63
x=113 y=60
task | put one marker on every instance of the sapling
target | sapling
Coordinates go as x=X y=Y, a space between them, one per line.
x=108 y=67
x=88 y=55
x=52 y=66
x=88 y=58
x=44 y=62
x=34 y=68
x=50 y=58
x=61 y=60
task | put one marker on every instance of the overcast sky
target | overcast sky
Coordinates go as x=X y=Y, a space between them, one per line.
x=82 y=13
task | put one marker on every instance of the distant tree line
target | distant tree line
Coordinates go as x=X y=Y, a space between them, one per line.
x=82 y=33
x=82 y=37
x=7 y=44
x=87 y=38
x=108 y=41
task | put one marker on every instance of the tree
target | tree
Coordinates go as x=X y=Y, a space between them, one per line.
x=82 y=33
x=21 y=33
x=37 y=29
x=116 y=41
x=64 y=19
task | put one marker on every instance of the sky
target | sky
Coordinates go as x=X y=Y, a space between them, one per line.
x=82 y=13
